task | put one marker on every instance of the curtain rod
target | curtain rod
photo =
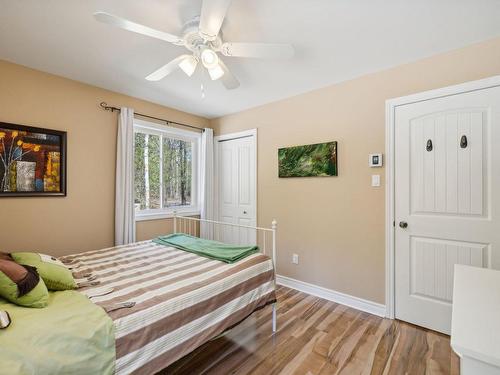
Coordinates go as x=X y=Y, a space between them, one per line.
x=107 y=107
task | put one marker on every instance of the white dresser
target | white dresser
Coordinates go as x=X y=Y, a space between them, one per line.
x=475 y=326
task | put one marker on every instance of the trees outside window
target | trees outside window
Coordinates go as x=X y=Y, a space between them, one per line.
x=164 y=165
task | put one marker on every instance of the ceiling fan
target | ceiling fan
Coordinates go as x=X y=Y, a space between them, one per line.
x=202 y=37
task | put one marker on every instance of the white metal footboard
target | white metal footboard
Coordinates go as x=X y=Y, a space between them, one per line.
x=216 y=230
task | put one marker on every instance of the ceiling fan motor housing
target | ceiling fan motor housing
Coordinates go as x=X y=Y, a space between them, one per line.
x=194 y=40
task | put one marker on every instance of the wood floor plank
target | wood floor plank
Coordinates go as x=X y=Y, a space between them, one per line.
x=383 y=348
x=319 y=337
x=363 y=354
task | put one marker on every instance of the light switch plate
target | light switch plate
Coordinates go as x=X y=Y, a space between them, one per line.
x=375 y=180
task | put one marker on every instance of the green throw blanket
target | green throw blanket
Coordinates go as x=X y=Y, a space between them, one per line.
x=207 y=248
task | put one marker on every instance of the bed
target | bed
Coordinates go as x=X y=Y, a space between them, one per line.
x=175 y=300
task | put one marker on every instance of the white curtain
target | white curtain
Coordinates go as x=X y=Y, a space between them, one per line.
x=124 y=195
x=207 y=182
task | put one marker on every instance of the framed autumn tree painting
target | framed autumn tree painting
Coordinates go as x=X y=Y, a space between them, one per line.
x=32 y=161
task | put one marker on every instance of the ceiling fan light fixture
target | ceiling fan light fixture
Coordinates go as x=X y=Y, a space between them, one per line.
x=209 y=58
x=201 y=36
x=188 y=65
x=215 y=72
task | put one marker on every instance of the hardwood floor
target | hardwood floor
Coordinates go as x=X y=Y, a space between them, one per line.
x=316 y=336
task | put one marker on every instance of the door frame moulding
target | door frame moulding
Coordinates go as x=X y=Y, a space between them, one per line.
x=228 y=137
x=390 y=219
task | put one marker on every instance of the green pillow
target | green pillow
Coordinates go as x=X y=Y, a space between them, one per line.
x=53 y=272
x=36 y=297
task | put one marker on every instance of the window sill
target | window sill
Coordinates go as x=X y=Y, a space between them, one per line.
x=165 y=215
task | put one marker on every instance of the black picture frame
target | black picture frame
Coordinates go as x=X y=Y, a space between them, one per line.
x=63 y=161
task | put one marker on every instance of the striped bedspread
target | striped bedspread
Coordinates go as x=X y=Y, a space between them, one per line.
x=181 y=300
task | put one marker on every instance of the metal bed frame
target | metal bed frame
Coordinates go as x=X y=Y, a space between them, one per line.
x=193 y=226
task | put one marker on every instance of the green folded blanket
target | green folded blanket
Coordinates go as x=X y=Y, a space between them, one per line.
x=207 y=248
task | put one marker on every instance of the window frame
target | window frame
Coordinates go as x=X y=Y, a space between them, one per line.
x=151 y=128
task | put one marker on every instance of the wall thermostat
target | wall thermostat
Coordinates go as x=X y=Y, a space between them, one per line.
x=375 y=160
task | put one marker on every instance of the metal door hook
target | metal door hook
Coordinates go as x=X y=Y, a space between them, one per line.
x=429 y=145
x=463 y=141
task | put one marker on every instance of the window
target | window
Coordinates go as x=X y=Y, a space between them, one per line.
x=165 y=170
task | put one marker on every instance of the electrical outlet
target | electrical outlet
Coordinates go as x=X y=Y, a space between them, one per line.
x=295 y=258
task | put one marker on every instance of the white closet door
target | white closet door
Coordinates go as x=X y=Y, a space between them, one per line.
x=447 y=186
x=237 y=189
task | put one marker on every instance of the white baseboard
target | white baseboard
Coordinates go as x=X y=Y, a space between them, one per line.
x=332 y=295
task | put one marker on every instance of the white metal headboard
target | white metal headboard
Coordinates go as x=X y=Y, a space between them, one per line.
x=192 y=226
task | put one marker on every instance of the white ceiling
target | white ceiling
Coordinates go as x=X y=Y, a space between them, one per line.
x=335 y=40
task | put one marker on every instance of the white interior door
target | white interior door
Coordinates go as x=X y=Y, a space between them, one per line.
x=447 y=199
x=236 y=188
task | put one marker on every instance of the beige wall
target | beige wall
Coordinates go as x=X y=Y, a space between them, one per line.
x=84 y=219
x=336 y=224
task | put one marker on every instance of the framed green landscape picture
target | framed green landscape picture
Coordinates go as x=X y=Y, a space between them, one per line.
x=308 y=161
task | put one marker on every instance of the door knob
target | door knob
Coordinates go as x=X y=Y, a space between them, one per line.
x=403 y=224
x=244 y=212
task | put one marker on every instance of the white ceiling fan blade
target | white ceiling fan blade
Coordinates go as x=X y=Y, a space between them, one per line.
x=212 y=16
x=228 y=79
x=258 y=50
x=168 y=68
x=122 y=23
